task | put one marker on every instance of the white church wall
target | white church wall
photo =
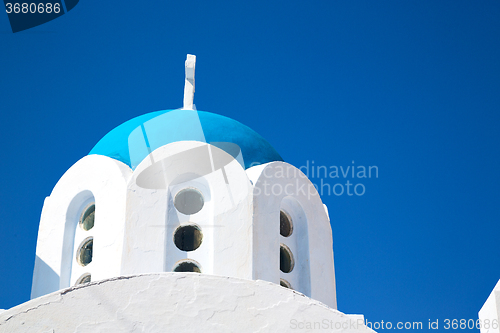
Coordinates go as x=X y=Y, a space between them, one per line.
x=233 y=223
x=177 y=302
x=281 y=185
x=490 y=312
x=92 y=177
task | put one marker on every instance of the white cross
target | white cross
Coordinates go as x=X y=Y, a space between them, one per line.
x=189 y=83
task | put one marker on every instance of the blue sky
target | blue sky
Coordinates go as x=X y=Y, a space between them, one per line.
x=410 y=87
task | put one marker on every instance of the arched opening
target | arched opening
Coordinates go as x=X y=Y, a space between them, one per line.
x=78 y=229
x=84 y=254
x=286 y=226
x=189 y=201
x=188 y=237
x=87 y=217
x=286 y=259
x=85 y=278
x=285 y=283
x=187 y=266
x=294 y=250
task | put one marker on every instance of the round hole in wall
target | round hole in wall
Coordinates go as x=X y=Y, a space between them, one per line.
x=187 y=266
x=285 y=283
x=286 y=259
x=84 y=255
x=189 y=201
x=188 y=237
x=87 y=218
x=85 y=278
x=286 y=227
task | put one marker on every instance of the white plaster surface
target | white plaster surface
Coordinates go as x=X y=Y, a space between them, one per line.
x=490 y=311
x=177 y=302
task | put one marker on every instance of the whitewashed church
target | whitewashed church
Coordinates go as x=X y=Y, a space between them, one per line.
x=182 y=221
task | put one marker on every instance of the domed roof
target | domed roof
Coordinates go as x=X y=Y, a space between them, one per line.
x=155 y=129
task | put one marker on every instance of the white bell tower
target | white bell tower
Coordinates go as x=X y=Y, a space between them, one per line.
x=186 y=199
x=182 y=220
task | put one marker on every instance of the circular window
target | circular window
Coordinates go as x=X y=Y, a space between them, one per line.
x=286 y=227
x=286 y=259
x=187 y=266
x=84 y=255
x=87 y=218
x=189 y=201
x=85 y=278
x=188 y=237
x=285 y=283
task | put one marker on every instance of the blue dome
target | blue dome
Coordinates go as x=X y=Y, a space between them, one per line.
x=155 y=129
